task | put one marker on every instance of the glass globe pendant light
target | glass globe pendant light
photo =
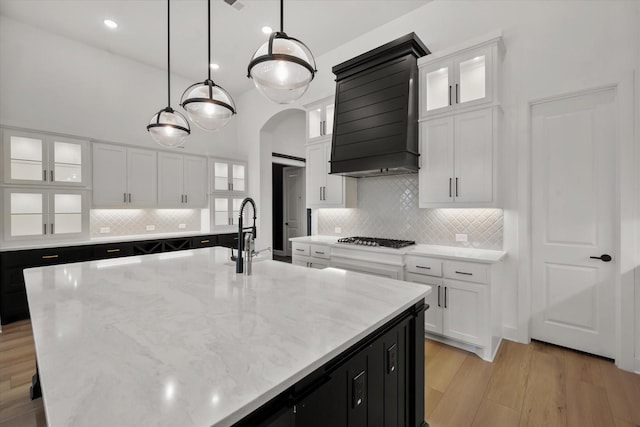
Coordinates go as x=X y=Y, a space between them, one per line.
x=208 y=105
x=168 y=127
x=283 y=67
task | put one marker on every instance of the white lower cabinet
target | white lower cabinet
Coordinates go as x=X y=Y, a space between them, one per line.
x=310 y=255
x=460 y=304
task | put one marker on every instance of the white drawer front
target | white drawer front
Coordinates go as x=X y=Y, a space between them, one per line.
x=320 y=251
x=421 y=265
x=302 y=249
x=467 y=271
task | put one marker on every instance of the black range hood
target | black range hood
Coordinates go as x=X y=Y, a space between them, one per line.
x=375 y=128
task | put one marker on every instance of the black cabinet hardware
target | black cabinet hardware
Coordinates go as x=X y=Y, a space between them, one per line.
x=51 y=173
x=445 y=297
x=462 y=272
x=457 y=97
x=439 y=296
x=449 y=187
x=44 y=175
x=449 y=94
x=456 y=186
x=420 y=266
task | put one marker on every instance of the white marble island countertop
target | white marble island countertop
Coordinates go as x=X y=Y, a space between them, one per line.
x=179 y=339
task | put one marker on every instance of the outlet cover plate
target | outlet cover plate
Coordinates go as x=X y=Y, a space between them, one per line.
x=151 y=227
x=461 y=237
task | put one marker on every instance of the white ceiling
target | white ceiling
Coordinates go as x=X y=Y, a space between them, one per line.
x=141 y=35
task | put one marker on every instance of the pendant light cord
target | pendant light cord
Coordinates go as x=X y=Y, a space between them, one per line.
x=209 y=36
x=282 y=16
x=168 y=55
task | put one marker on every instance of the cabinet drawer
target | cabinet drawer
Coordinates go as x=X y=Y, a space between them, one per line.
x=467 y=271
x=43 y=257
x=229 y=240
x=204 y=241
x=301 y=249
x=112 y=251
x=320 y=251
x=421 y=265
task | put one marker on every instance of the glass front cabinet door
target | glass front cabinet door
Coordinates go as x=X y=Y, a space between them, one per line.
x=31 y=158
x=229 y=176
x=456 y=81
x=226 y=211
x=30 y=214
x=320 y=119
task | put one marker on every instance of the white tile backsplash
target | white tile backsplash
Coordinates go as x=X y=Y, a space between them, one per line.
x=388 y=207
x=126 y=222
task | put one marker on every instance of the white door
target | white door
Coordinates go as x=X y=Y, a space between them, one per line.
x=293 y=205
x=573 y=198
x=433 y=315
x=316 y=172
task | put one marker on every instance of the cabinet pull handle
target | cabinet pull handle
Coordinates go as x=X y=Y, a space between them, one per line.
x=110 y=251
x=445 y=297
x=420 y=266
x=229 y=186
x=320 y=193
x=456 y=186
x=44 y=175
x=457 y=102
x=44 y=228
x=449 y=94
x=129 y=197
x=449 y=187
x=204 y=241
x=318 y=252
x=125 y=197
x=462 y=272
x=49 y=256
x=51 y=173
x=439 y=296
x=300 y=250
x=232 y=186
x=186 y=199
x=52 y=232
x=324 y=193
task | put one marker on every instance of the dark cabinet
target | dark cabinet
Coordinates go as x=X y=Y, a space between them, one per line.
x=204 y=241
x=229 y=240
x=112 y=250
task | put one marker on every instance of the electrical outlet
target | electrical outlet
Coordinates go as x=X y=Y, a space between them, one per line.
x=151 y=227
x=461 y=237
x=182 y=226
x=105 y=230
x=337 y=230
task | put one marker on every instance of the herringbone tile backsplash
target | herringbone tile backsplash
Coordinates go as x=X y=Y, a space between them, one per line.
x=388 y=207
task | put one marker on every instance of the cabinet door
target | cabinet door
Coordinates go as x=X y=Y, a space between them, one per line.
x=220 y=176
x=436 y=86
x=25 y=214
x=333 y=191
x=238 y=177
x=195 y=181
x=433 y=316
x=24 y=158
x=142 y=178
x=68 y=164
x=303 y=262
x=229 y=176
x=474 y=157
x=320 y=119
x=170 y=180
x=436 y=154
x=316 y=174
x=68 y=213
x=109 y=175
x=464 y=311
x=319 y=263
x=474 y=77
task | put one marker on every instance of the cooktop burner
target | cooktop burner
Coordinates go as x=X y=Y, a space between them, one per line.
x=373 y=241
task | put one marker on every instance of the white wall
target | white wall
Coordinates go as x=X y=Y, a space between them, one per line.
x=52 y=83
x=289 y=134
x=552 y=48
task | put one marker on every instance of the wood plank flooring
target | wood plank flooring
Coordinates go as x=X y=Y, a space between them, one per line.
x=527 y=385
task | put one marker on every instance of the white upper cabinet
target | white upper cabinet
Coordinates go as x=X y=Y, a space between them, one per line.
x=462 y=77
x=40 y=159
x=124 y=177
x=320 y=119
x=228 y=176
x=458 y=160
x=323 y=189
x=42 y=213
x=182 y=181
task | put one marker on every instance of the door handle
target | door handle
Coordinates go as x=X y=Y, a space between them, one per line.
x=603 y=257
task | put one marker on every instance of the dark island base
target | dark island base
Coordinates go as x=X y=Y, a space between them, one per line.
x=377 y=382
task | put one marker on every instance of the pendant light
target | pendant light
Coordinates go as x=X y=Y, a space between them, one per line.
x=168 y=127
x=208 y=105
x=282 y=67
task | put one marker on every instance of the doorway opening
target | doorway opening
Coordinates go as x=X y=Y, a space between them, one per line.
x=289 y=213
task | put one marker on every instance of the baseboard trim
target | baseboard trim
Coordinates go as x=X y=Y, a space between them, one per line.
x=637 y=366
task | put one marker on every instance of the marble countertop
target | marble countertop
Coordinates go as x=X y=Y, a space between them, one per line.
x=180 y=339
x=18 y=246
x=436 y=251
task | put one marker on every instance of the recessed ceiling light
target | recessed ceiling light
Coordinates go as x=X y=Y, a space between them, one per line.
x=267 y=29
x=214 y=66
x=110 y=24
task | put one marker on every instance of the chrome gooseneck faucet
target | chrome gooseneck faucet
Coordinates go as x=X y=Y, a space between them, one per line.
x=250 y=235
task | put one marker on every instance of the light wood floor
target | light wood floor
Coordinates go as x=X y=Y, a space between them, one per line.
x=526 y=385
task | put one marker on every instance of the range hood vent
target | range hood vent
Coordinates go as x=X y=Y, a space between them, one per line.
x=375 y=130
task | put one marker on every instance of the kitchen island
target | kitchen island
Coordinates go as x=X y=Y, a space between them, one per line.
x=181 y=339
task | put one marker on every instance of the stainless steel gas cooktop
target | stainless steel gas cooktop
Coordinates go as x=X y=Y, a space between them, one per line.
x=374 y=241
